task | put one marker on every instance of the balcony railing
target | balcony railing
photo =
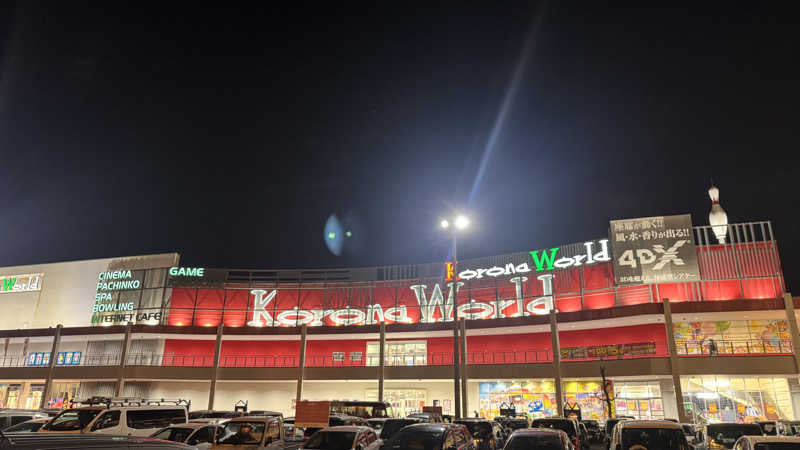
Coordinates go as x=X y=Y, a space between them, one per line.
x=735 y=347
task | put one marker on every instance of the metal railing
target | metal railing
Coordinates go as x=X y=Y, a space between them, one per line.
x=735 y=347
x=259 y=361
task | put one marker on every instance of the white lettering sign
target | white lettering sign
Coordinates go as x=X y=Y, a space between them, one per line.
x=20 y=283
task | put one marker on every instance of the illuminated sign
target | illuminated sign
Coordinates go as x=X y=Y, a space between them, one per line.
x=542 y=260
x=117 y=280
x=63 y=359
x=20 y=283
x=187 y=271
x=433 y=309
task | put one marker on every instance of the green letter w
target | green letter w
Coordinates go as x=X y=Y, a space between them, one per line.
x=545 y=259
x=8 y=284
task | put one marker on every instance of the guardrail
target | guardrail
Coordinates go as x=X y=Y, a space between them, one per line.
x=734 y=347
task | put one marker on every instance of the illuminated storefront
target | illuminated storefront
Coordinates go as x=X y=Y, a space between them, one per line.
x=737 y=399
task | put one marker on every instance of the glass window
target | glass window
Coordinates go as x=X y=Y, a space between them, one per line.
x=107 y=420
x=242 y=433
x=19 y=419
x=653 y=438
x=204 y=434
x=72 y=420
x=338 y=356
x=539 y=442
x=173 y=434
x=140 y=419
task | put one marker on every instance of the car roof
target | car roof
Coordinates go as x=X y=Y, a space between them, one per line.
x=254 y=419
x=530 y=431
x=347 y=429
x=760 y=439
x=729 y=424
x=192 y=425
x=431 y=426
x=80 y=441
x=666 y=424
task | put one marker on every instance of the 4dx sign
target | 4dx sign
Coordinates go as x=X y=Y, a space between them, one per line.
x=659 y=256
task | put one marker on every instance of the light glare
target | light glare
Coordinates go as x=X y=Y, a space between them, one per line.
x=445 y=224
x=462 y=222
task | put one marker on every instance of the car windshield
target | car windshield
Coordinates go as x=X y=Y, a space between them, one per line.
x=173 y=434
x=72 y=420
x=726 y=435
x=687 y=429
x=538 y=442
x=415 y=439
x=558 y=424
x=777 y=446
x=391 y=427
x=237 y=433
x=481 y=428
x=331 y=440
x=363 y=411
x=591 y=423
x=23 y=427
x=653 y=438
x=768 y=428
x=516 y=424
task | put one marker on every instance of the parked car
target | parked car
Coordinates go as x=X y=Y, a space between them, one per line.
x=263 y=413
x=200 y=435
x=593 y=430
x=427 y=417
x=344 y=438
x=767 y=443
x=584 y=432
x=648 y=434
x=540 y=439
x=432 y=436
x=512 y=423
x=377 y=423
x=337 y=420
x=205 y=414
x=795 y=425
x=776 y=427
x=73 y=441
x=689 y=431
x=487 y=434
x=119 y=420
x=253 y=433
x=610 y=424
x=29 y=426
x=718 y=436
x=9 y=417
x=569 y=426
x=363 y=409
x=392 y=426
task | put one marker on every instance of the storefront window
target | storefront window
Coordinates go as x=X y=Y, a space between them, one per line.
x=640 y=399
x=731 y=399
x=536 y=398
x=403 y=401
x=407 y=353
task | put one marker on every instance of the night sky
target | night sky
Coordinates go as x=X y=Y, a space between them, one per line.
x=230 y=135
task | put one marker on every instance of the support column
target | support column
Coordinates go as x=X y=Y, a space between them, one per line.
x=382 y=361
x=674 y=363
x=48 y=383
x=212 y=390
x=464 y=378
x=456 y=372
x=25 y=344
x=791 y=320
x=301 y=369
x=556 y=361
x=123 y=360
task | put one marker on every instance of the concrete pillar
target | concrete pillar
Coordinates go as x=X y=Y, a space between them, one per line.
x=215 y=371
x=464 y=377
x=301 y=369
x=25 y=344
x=674 y=362
x=123 y=360
x=791 y=320
x=382 y=361
x=556 y=361
x=48 y=383
x=456 y=372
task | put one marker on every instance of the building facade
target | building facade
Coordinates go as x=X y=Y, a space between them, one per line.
x=681 y=323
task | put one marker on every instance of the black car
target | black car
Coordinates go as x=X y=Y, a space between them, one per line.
x=432 y=436
x=427 y=417
x=338 y=420
x=594 y=430
x=513 y=423
x=392 y=426
x=569 y=426
x=488 y=434
x=610 y=424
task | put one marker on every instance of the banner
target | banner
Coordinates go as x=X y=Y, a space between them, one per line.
x=606 y=351
x=651 y=250
x=312 y=414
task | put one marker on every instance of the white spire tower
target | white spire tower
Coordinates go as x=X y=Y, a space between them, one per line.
x=717 y=217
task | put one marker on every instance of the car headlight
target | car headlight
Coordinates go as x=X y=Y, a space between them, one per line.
x=714 y=445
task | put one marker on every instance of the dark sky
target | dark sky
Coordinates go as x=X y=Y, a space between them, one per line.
x=230 y=135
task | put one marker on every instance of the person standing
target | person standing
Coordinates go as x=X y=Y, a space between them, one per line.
x=712 y=347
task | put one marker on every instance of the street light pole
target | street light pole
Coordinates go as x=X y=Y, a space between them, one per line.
x=459 y=223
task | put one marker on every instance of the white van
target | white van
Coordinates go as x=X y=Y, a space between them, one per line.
x=119 y=420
